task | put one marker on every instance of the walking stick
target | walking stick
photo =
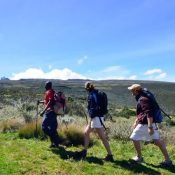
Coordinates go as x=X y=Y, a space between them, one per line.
x=165 y=113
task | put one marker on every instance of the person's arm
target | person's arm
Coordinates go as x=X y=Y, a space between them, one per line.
x=135 y=123
x=150 y=127
x=46 y=107
x=38 y=102
x=147 y=108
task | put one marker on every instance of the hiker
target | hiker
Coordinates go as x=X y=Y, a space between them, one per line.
x=144 y=127
x=49 y=124
x=96 y=120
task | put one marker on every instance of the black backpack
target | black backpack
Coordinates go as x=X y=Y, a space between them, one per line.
x=102 y=101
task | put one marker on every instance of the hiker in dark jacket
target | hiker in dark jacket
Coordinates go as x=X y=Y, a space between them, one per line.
x=49 y=124
x=95 y=123
x=144 y=126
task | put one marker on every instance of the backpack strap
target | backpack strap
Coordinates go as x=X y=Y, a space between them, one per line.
x=102 y=123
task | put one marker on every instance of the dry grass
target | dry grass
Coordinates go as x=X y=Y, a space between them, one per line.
x=71 y=134
x=11 y=125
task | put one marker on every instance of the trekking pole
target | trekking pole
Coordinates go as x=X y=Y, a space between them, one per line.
x=165 y=113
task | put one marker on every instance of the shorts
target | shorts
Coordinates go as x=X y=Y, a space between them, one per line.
x=95 y=122
x=141 y=133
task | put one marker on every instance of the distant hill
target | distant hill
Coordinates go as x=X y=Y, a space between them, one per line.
x=117 y=91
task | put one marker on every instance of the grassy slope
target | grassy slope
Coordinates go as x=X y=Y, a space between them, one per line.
x=20 y=156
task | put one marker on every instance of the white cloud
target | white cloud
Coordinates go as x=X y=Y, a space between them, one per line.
x=155 y=74
x=153 y=71
x=81 y=61
x=161 y=76
x=112 y=72
x=63 y=74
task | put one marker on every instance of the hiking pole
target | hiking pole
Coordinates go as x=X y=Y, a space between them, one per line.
x=165 y=113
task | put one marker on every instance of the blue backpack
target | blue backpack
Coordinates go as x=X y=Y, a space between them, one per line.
x=158 y=118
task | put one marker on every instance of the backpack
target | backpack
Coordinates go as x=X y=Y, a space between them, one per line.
x=59 y=103
x=102 y=101
x=158 y=118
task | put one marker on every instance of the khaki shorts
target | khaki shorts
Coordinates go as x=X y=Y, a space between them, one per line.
x=95 y=122
x=141 y=133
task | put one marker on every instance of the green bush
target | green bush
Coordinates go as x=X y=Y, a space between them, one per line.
x=126 y=112
x=121 y=130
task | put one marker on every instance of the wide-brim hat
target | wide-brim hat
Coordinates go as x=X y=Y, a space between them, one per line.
x=135 y=87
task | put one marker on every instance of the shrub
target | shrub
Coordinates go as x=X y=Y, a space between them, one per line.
x=121 y=130
x=126 y=112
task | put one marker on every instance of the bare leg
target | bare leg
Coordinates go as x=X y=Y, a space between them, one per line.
x=162 y=147
x=137 y=147
x=87 y=132
x=103 y=137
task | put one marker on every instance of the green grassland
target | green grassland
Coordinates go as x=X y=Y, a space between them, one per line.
x=33 y=157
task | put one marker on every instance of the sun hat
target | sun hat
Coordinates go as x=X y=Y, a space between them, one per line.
x=135 y=87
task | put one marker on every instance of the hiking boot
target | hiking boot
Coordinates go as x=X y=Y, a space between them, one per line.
x=53 y=146
x=166 y=163
x=109 y=158
x=137 y=159
x=81 y=154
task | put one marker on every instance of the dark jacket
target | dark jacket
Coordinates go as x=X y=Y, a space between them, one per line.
x=92 y=104
x=145 y=109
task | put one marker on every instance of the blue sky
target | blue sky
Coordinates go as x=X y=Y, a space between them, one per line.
x=96 y=39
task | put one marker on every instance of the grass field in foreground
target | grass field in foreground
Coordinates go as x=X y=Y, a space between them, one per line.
x=33 y=157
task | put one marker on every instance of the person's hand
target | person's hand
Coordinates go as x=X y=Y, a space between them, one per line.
x=41 y=114
x=150 y=130
x=134 y=125
x=38 y=102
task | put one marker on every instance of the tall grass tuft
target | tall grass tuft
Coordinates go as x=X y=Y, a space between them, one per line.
x=10 y=125
x=67 y=135
x=73 y=135
x=31 y=131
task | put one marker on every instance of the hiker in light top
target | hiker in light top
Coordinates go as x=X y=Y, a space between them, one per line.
x=144 y=127
x=95 y=123
x=49 y=124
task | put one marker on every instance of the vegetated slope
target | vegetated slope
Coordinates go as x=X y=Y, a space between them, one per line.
x=117 y=91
